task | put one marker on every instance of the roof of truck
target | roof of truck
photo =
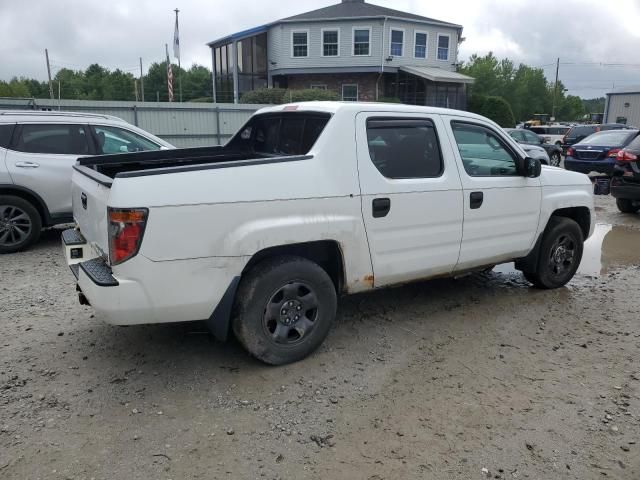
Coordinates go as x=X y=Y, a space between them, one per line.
x=10 y=116
x=355 y=107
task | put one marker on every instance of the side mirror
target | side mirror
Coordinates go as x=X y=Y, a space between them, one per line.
x=529 y=167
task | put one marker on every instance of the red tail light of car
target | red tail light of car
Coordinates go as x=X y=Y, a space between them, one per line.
x=624 y=156
x=569 y=152
x=126 y=229
x=613 y=153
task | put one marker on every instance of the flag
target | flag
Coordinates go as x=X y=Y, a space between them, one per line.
x=176 y=40
x=169 y=77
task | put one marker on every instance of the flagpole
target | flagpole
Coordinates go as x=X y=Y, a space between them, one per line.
x=179 y=67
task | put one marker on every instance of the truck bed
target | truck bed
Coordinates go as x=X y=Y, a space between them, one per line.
x=112 y=165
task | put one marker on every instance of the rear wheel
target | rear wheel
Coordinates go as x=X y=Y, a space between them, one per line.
x=560 y=254
x=284 y=309
x=554 y=159
x=627 y=206
x=20 y=224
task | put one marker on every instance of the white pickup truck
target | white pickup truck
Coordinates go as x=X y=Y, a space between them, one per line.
x=308 y=202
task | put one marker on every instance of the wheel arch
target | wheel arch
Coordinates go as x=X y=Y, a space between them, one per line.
x=326 y=253
x=31 y=197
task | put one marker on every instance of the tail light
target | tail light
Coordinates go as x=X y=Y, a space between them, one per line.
x=624 y=156
x=126 y=229
x=569 y=152
x=613 y=153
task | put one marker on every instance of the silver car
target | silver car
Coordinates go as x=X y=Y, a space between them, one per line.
x=37 y=153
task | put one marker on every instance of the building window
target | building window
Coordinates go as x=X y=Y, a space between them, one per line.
x=443 y=47
x=318 y=86
x=300 y=44
x=350 y=93
x=397 y=43
x=361 y=41
x=330 y=43
x=421 y=45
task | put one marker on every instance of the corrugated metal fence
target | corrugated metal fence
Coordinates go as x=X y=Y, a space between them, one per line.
x=181 y=124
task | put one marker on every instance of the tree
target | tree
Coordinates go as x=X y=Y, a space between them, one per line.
x=498 y=110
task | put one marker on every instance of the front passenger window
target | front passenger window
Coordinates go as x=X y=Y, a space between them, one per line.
x=483 y=152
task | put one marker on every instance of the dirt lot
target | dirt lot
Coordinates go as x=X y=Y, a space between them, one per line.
x=479 y=377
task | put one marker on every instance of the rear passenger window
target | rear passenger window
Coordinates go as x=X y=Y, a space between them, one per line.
x=5 y=134
x=53 y=139
x=404 y=148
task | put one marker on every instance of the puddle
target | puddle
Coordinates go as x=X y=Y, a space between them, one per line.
x=609 y=247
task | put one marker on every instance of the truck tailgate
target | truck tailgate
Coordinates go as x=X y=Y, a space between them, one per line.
x=90 y=199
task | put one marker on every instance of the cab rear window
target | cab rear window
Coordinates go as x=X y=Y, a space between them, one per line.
x=290 y=133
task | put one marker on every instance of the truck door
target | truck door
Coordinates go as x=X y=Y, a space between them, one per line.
x=411 y=196
x=501 y=207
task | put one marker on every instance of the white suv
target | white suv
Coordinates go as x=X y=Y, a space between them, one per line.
x=37 y=153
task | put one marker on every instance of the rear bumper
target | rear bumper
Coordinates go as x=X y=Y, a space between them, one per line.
x=141 y=291
x=620 y=188
x=587 y=166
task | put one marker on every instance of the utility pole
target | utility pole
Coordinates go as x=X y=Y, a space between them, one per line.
x=141 y=81
x=135 y=86
x=555 y=90
x=176 y=42
x=46 y=54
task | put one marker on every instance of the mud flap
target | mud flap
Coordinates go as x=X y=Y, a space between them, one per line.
x=219 y=321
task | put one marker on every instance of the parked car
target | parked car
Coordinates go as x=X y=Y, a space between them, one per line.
x=37 y=154
x=625 y=184
x=310 y=201
x=553 y=134
x=532 y=143
x=580 y=132
x=598 y=152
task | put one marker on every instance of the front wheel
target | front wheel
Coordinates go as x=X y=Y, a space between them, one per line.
x=560 y=254
x=555 y=159
x=20 y=224
x=626 y=206
x=284 y=309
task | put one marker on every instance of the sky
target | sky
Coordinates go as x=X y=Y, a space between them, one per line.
x=597 y=41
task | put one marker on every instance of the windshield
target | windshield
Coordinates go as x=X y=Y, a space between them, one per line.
x=611 y=137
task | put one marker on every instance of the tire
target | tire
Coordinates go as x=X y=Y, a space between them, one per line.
x=20 y=224
x=559 y=256
x=554 y=159
x=284 y=309
x=626 y=206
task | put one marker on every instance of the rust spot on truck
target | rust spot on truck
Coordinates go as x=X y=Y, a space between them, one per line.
x=368 y=280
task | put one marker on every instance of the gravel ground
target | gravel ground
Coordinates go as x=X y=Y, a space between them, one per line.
x=479 y=377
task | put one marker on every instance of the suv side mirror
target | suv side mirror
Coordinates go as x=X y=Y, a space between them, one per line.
x=529 y=167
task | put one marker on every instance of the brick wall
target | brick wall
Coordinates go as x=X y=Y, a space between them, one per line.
x=366 y=83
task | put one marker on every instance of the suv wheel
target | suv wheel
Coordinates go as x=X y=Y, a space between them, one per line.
x=20 y=224
x=626 y=206
x=284 y=309
x=560 y=254
x=554 y=160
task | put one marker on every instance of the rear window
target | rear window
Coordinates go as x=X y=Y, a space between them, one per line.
x=582 y=131
x=5 y=134
x=611 y=137
x=281 y=134
x=634 y=145
x=538 y=130
x=53 y=139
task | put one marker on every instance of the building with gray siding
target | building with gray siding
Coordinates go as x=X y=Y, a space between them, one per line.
x=623 y=106
x=362 y=51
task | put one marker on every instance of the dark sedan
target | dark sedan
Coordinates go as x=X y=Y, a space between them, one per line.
x=625 y=185
x=598 y=152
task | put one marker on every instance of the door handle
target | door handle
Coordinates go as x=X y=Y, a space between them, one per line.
x=475 y=200
x=381 y=207
x=27 y=165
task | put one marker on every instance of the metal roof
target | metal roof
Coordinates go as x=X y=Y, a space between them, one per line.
x=347 y=9
x=436 y=74
x=622 y=90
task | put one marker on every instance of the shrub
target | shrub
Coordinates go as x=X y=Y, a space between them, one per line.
x=264 y=96
x=499 y=110
x=389 y=100
x=310 y=95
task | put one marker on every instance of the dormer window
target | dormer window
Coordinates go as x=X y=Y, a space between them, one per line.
x=300 y=43
x=397 y=43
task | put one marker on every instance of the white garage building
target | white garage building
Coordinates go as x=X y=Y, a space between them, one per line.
x=623 y=106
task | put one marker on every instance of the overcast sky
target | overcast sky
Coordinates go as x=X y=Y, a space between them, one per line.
x=115 y=33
